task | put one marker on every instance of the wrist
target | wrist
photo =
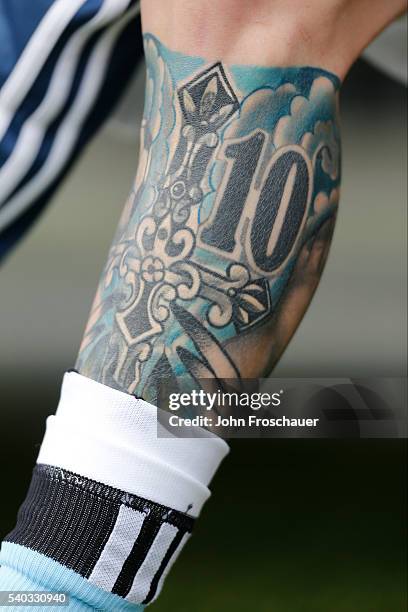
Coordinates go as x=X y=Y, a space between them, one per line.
x=271 y=33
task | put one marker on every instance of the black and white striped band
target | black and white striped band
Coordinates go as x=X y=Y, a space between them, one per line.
x=118 y=541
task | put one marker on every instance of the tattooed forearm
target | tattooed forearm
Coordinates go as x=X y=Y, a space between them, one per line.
x=223 y=239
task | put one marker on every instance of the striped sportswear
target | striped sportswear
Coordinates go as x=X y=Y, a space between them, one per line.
x=112 y=501
x=63 y=66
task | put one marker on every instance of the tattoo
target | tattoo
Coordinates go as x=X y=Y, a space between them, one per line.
x=224 y=236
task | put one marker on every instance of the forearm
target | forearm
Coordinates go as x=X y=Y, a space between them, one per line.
x=224 y=237
x=236 y=254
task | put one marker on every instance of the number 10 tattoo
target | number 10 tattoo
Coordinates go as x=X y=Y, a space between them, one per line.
x=225 y=234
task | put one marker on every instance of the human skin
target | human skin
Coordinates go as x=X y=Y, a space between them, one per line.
x=329 y=34
x=224 y=237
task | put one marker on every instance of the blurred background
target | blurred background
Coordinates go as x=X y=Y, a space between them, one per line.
x=294 y=525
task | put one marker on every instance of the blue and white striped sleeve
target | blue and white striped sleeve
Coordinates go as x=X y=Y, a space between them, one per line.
x=63 y=66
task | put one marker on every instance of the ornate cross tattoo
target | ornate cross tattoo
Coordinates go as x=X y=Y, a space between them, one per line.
x=215 y=224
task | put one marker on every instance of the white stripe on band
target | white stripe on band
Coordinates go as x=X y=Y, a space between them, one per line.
x=32 y=133
x=117 y=548
x=69 y=131
x=169 y=565
x=141 y=584
x=33 y=57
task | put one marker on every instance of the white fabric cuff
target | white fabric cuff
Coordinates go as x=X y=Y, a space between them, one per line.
x=111 y=437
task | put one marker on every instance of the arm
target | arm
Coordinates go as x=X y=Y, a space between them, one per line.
x=225 y=234
x=215 y=260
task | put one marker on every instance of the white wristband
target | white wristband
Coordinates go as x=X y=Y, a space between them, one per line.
x=111 y=437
